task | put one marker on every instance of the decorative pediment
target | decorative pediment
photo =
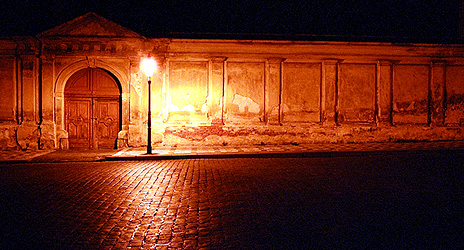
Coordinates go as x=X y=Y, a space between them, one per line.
x=90 y=25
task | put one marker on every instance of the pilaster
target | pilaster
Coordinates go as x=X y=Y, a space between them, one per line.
x=48 y=77
x=216 y=80
x=329 y=98
x=273 y=90
x=29 y=88
x=384 y=92
x=437 y=93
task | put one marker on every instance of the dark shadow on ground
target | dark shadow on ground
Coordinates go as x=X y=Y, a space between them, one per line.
x=75 y=155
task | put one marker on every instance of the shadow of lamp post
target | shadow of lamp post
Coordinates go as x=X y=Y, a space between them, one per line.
x=149 y=67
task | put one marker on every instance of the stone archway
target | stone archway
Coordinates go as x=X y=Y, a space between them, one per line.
x=92 y=109
x=118 y=73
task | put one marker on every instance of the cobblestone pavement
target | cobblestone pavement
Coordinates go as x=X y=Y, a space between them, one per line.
x=401 y=200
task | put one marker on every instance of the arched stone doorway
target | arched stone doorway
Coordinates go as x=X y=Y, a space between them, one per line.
x=92 y=103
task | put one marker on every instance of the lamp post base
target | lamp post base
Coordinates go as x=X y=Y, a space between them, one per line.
x=149 y=142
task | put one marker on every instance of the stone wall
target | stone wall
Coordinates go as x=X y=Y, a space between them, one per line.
x=331 y=100
x=235 y=91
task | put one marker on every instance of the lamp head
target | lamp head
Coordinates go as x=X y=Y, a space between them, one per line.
x=149 y=66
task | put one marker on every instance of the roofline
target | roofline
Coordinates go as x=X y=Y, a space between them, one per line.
x=50 y=32
x=305 y=38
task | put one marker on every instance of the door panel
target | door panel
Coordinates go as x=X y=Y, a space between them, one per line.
x=78 y=122
x=79 y=84
x=92 y=109
x=106 y=112
x=103 y=84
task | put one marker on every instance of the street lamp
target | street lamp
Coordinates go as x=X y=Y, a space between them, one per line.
x=149 y=67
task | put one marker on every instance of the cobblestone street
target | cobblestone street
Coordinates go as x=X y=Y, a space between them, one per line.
x=391 y=200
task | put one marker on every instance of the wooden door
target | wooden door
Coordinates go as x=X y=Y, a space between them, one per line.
x=79 y=122
x=106 y=113
x=92 y=107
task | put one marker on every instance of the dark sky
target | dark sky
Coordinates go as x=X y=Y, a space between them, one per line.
x=394 y=18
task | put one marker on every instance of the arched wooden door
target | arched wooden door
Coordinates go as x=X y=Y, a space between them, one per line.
x=92 y=109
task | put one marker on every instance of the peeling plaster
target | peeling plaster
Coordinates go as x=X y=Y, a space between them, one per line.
x=188 y=108
x=172 y=107
x=204 y=107
x=245 y=104
x=137 y=84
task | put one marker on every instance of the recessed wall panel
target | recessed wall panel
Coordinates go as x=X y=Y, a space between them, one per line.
x=357 y=93
x=245 y=91
x=410 y=93
x=7 y=85
x=301 y=92
x=188 y=90
x=455 y=95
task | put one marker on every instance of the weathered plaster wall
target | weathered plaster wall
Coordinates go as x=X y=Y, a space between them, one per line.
x=237 y=92
x=301 y=92
x=410 y=92
x=245 y=92
x=188 y=92
x=357 y=93
x=338 y=93
x=21 y=116
x=455 y=95
x=7 y=85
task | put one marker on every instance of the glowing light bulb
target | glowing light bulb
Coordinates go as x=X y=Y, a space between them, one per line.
x=149 y=66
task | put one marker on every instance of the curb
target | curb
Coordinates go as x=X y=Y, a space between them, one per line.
x=273 y=154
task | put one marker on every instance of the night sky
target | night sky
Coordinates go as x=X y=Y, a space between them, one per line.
x=415 y=19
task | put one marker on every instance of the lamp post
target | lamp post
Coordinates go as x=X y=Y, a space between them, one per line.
x=149 y=66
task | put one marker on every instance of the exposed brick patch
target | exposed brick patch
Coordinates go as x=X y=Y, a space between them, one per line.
x=201 y=132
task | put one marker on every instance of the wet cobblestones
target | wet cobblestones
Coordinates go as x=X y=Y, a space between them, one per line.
x=401 y=200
